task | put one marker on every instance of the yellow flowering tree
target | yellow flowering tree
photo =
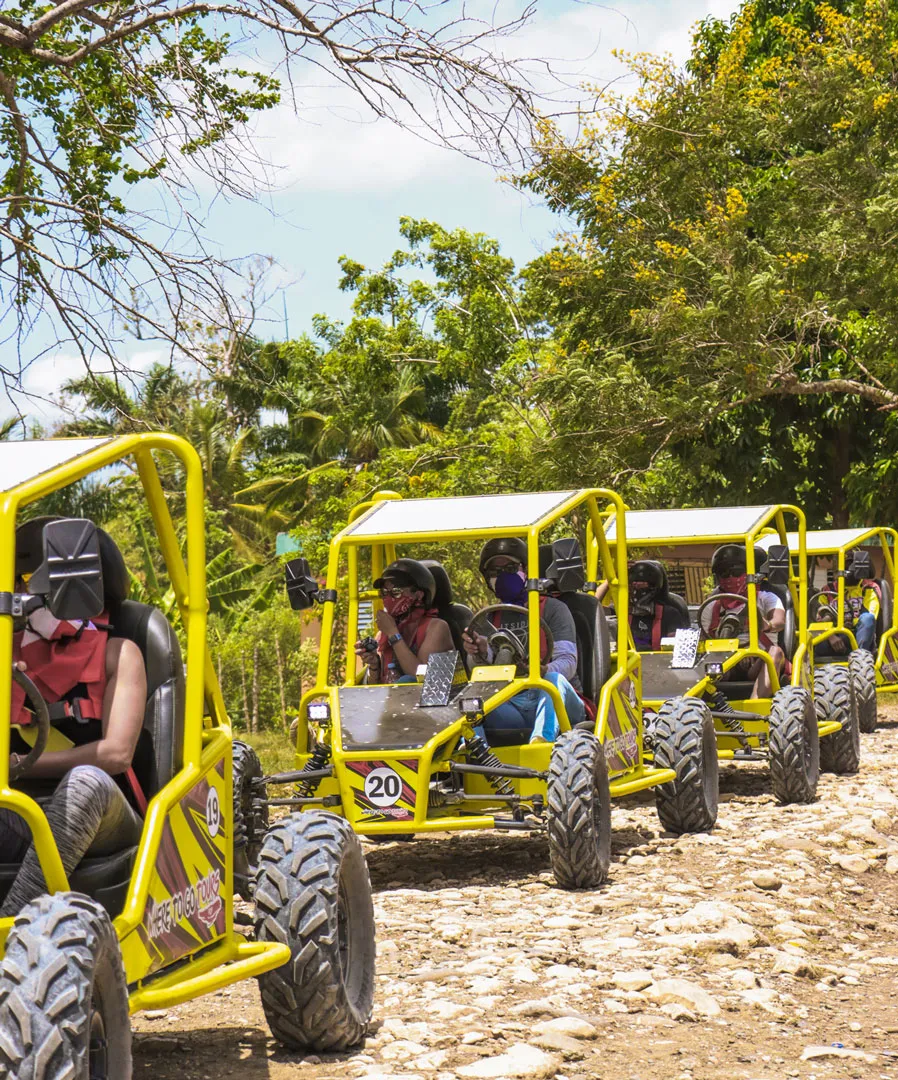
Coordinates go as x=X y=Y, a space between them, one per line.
x=730 y=282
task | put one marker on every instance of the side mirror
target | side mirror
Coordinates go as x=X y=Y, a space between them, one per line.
x=302 y=588
x=861 y=566
x=566 y=570
x=778 y=566
x=71 y=575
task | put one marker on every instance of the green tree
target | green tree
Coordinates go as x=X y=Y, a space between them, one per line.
x=97 y=98
x=729 y=286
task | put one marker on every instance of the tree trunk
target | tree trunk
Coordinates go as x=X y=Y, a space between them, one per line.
x=246 y=716
x=255 y=727
x=279 y=656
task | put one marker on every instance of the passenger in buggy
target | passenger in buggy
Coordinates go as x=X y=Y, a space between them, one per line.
x=503 y=564
x=96 y=689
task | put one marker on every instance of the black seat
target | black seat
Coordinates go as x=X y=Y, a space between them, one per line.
x=590 y=623
x=458 y=616
x=884 y=618
x=787 y=634
x=159 y=752
x=669 y=600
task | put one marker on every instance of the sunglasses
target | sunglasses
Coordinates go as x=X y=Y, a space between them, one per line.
x=395 y=593
x=510 y=567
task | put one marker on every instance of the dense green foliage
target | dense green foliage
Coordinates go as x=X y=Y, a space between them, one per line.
x=720 y=324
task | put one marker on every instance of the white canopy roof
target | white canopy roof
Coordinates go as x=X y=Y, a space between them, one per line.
x=678 y=526
x=825 y=541
x=476 y=514
x=23 y=459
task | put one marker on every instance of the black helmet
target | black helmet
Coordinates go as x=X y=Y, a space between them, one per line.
x=729 y=559
x=410 y=572
x=649 y=573
x=503 y=545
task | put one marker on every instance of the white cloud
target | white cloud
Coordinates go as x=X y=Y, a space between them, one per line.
x=333 y=146
x=40 y=398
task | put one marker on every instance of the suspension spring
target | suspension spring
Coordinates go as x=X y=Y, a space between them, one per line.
x=479 y=753
x=731 y=722
x=320 y=757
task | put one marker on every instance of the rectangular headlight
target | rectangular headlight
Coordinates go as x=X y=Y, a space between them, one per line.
x=319 y=711
x=714 y=667
x=472 y=705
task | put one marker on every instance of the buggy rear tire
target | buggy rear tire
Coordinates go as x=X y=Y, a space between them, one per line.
x=313 y=894
x=793 y=746
x=834 y=699
x=250 y=817
x=579 y=811
x=863 y=670
x=63 y=997
x=684 y=741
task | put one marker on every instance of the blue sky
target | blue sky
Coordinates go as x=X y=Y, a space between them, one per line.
x=342 y=182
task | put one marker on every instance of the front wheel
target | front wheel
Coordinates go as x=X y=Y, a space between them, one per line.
x=835 y=699
x=863 y=671
x=63 y=997
x=794 y=746
x=313 y=894
x=579 y=811
x=684 y=741
x=250 y=816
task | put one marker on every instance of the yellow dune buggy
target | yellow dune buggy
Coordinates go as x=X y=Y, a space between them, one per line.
x=151 y=926
x=700 y=668
x=407 y=758
x=850 y=553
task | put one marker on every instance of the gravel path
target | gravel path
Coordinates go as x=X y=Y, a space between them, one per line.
x=747 y=953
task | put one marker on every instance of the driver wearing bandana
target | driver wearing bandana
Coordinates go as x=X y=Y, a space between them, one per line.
x=409 y=629
x=729 y=569
x=503 y=563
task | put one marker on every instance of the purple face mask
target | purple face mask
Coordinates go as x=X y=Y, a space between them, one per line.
x=511 y=587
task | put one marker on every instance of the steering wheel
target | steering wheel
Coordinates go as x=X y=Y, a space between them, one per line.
x=826 y=607
x=739 y=616
x=41 y=719
x=508 y=647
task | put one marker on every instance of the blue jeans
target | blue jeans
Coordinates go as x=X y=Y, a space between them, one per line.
x=865 y=631
x=534 y=710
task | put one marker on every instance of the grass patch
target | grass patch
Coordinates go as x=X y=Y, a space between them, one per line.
x=274 y=749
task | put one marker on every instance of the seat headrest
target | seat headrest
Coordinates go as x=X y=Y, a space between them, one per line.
x=442 y=595
x=30 y=554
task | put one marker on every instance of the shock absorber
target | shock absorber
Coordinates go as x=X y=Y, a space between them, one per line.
x=480 y=754
x=728 y=718
x=320 y=757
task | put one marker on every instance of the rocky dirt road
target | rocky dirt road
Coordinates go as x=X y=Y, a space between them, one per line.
x=768 y=949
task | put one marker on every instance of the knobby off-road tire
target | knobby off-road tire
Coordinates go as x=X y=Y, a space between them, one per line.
x=63 y=998
x=684 y=741
x=834 y=699
x=579 y=811
x=314 y=895
x=863 y=670
x=250 y=817
x=794 y=746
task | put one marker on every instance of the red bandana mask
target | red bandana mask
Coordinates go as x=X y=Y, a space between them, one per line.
x=736 y=585
x=398 y=606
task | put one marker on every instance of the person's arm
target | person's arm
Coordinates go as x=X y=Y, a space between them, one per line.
x=438 y=638
x=774 y=619
x=871 y=601
x=561 y=627
x=123 y=709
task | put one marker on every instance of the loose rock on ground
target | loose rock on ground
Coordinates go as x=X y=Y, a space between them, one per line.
x=745 y=954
